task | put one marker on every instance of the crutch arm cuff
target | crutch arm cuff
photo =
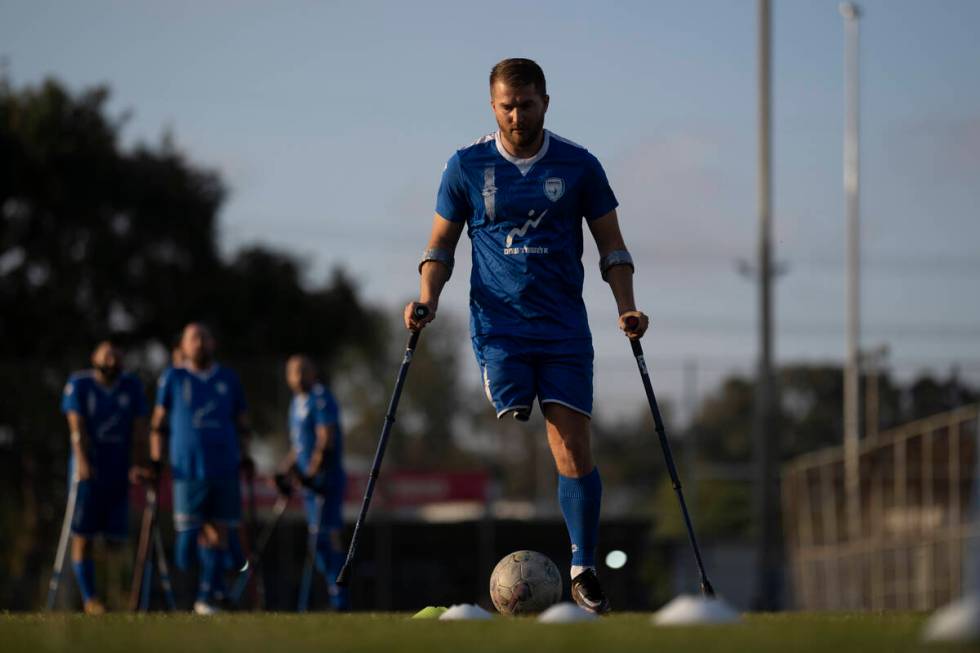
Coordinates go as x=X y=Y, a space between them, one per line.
x=439 y=255
x=613 y=259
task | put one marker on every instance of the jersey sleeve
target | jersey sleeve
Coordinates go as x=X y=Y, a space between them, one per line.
x=165 y=391
x=325 y=409
x=597 y=196
x=70 y=401
x=452 y=202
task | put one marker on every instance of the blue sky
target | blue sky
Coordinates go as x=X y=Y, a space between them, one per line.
x=331 y=123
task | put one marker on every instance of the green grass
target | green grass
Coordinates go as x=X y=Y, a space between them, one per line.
x=288 y=633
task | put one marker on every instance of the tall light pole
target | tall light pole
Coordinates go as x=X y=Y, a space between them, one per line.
x=852 y=471
x=768 y=587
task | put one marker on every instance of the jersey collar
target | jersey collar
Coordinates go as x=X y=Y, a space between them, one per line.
x=206 y=374
x=524 y=165
x=105 y=389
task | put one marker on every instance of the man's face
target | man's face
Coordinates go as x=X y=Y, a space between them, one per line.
x=299 y=375
x=197 y=345
x=107 y=359
x=519 y=112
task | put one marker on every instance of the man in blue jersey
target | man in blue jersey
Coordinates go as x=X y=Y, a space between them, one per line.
x=316 y=457
x=522 y=193
x=200 y=406
x=106 y=412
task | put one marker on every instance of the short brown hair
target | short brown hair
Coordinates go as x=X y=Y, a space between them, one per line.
x=519 y=72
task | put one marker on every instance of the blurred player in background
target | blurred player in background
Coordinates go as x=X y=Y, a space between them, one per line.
x=316 y=457
x=106 y=411
x=200 y=406
x=522 y=192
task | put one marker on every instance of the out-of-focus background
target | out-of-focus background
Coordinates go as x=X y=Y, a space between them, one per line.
x=271 y=168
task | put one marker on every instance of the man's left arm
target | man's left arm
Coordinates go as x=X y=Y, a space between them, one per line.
x=325 y=436
x=327 y=420
x=617 y=269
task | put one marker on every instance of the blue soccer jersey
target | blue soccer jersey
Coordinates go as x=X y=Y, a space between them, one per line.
x=524 y=219
x=108 y=414
x=316 y=408
x=203 y=409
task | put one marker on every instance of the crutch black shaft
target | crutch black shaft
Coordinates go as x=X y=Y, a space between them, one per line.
x=421 y=311
x=631 y=324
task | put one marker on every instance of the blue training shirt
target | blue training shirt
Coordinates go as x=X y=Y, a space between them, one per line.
x=307 y=411
x=108 y=414
x=524 y=219
x=202 y=410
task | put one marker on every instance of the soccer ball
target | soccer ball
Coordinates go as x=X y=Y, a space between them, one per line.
x=524 y=582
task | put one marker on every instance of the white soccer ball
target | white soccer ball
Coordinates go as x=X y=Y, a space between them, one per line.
x=524 y=582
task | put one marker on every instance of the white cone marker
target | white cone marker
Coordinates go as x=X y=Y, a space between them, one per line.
x=565 y=613
x=688 y=610
x=465 y=612
x=957 y=622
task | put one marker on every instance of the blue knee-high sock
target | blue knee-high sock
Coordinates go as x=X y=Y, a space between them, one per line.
x=85 y=576
x=186 y=549
x=210 y=560
x=579 y=499
x=329 y=560
x=323 y=553
x=235 y=559
x=339 y=596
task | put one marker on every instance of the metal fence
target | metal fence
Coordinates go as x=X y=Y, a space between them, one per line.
x=915 y=515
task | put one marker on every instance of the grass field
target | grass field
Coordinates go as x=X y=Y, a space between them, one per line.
x=288 y=633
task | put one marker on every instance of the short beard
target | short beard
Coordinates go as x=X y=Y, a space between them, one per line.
x=204 y=361
x=109 y=372
x=527 y=137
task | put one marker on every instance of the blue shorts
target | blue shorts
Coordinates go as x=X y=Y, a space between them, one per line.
x=328 y=515
x=215 y=501
x=516 y=371
x=101 y=509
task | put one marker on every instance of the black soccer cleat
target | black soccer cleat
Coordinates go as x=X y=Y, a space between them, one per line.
x=588 y=594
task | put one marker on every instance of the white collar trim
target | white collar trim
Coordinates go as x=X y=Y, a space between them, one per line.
x=524 y=165
x=206 y=374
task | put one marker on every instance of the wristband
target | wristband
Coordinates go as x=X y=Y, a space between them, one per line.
x=614 y=258
x=439 y=255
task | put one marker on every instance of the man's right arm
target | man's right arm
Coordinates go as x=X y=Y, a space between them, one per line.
x=79 y=445
x=158 y=429
x=434 y=273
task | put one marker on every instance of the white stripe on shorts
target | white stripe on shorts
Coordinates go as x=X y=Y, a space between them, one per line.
x=566 y=405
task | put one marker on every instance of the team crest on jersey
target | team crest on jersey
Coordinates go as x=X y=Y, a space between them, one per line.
x=221 y=388
x=554 y=188
x=123 y=401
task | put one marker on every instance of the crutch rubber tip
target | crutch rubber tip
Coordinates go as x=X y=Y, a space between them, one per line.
x=707 y=590
x=344 y=576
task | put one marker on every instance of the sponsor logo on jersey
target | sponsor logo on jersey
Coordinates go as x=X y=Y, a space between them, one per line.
x=204 y=417
x=554 y=188
x=108 y=431
x=520 y=232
